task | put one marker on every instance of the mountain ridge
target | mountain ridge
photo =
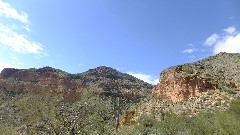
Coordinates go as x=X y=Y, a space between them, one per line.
x=49 y=79
x=98 y=72
x=105 y=101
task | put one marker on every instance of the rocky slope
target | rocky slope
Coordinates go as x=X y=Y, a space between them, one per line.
x=190 y=80
x=51 y=101
x=33 y=101
x=192 y=88
x=48 y=79
x=111 y=79
x=35 y=80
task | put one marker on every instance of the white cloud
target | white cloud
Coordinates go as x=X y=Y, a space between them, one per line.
x=211 y=40
x=8 y=11
x=229 y=44
x=18 y=42
x=17 y=37
x=147 y=78
x=230 y=30
x=227 y=41
x=156 y=81
x=188 y=51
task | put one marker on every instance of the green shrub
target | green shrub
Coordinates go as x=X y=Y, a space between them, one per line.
x=188 y=69
x=229 y=90
x=234 y=108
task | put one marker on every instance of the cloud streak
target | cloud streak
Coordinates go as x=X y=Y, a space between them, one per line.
x=15 y=37
x=211 y=40
x=230 y=30
x=188 y=50
x=18 y=42
x=8 y=11
x=146 y=78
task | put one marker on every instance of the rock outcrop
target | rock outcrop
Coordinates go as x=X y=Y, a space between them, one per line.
x=179 y=86
x=190 y=80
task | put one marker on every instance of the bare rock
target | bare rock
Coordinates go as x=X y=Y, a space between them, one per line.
x=182 y=82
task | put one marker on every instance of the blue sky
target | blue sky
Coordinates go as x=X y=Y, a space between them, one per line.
x=139 y=37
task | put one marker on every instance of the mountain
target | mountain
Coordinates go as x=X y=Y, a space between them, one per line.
x=208 y=84
x=202 y=97
x=48 y=79
x=110 y=78
x=51 y=101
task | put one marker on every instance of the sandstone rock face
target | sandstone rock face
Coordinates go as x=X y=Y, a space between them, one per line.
x=221 y=71
x=179 y=86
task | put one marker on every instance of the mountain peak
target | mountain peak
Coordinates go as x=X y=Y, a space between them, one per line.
x=102 y=70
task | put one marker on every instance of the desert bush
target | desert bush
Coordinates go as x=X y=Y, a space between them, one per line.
x=229 y=90
x=188 y=69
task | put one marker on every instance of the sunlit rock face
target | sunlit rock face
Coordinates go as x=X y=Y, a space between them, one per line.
x=179 y=86
x=190 y=80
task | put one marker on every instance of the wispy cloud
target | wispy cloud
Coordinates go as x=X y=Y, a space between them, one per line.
x=188 y=50
x=211 y=40
x=18 y=42
x=230 y=30
x=17 y=37
x=147 y=78
x=227 y=41
x=8 y=11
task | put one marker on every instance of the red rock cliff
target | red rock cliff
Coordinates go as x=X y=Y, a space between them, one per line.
x=178 y=86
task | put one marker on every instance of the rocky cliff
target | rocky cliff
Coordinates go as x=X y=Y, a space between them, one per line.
x=182 y=82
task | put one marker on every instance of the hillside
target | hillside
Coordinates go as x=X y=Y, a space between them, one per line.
x=220 y=72
x=194 y=98
x=48 y=79
x=41 y=97
x=204 y=85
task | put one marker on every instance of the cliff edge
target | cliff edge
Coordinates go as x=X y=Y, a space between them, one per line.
x=182 y=82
